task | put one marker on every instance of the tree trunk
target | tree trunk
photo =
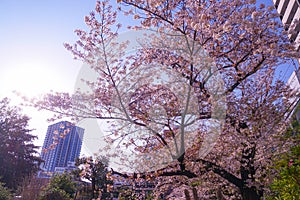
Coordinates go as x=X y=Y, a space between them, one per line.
x=220 y=195
x=250 y=193
x=187 y=194
x=93 y=188
x=195 y=194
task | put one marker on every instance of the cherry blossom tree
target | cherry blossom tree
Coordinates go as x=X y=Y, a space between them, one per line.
x=198 y=103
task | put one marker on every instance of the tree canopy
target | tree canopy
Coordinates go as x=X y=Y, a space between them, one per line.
x=4 y=193
x=18 y=154
x=198 y=102
x=95 y=171
x=61 y=186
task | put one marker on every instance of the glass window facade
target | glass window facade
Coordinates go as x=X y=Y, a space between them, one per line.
x=62 y=145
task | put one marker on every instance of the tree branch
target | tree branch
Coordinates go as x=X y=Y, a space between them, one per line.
x=221 y=172
x=238 y=82
x=160 y=173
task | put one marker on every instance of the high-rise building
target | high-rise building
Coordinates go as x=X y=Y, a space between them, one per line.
x=294 y=83
x=289 y=12
x=61 y=147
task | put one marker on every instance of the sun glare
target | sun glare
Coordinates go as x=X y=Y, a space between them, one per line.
x=31 y=79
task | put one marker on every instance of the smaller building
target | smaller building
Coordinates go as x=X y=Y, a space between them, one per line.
x=140 y=187
x=70 y=167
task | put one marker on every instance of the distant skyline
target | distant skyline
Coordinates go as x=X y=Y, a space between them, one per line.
x=33 y=60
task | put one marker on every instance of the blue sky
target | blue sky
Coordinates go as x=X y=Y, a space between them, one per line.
x=32 y=57
x=33 y=60
x=32 y=37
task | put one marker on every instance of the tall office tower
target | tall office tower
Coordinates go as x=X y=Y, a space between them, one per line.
x=289 y=11
x=61 y=147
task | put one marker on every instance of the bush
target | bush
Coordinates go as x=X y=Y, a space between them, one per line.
x=4 y=193
x=287 y=185
x=61 y=187
x=56 y=194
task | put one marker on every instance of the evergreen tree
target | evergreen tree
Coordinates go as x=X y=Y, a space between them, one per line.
x=61 y=187
x=18 y=155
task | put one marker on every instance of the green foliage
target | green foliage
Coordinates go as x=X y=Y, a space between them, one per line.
x=60 y=185
x=195 y=183
x=17 y=153
x=4 y=193
x=286 y=185
x=55 y=194
x=294 y=130
x=150 y=196
x=96 y=171
x=127 y=194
